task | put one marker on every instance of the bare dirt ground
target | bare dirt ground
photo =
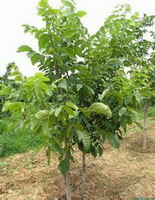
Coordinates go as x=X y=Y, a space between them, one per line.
x=119 y=175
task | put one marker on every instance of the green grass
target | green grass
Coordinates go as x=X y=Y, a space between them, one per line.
x=151 y=112
x=3 y=125
x=11 y=143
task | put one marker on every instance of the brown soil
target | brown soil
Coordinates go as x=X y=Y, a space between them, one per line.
x=119 y=175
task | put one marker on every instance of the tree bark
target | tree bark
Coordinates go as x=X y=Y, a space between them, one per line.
x=83 y=174
x=144 y=144
x=68 y=186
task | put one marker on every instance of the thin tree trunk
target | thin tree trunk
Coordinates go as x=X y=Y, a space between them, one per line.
x=83 y=174
x=67 y=175
x=68 y=186
x=144 y=145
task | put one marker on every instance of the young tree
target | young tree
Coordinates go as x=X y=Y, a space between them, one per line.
x=112 y=50
x=59 y=121
x=142 y=70
x=144 y=93
x=5 y=88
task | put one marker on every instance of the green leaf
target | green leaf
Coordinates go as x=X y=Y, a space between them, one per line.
x=41 y=11
x=58 y=80
x=118 y=26
x=113 y=141
x=34 y=58
x=68 y=4
x=42 y=114
x=138 y=97
x=78 y=86
x=69 y=110
x=19 y=78
x=104 y=93
x=57 y=111
x=63 y=84
x=94 y=152
x=55 y=11
x=24 y=48
x=45 y=127
x=52 y=120
x=100 y=150
x=64 y=165
x=72 y=105
x=86 y=111
x=41 y=77
x=52 y=111
x=112 y=17
x=51 y=51
x=90 y=89
x=81 y=13
x=43 y=41
x=13 y=107
x=15 y=73
x=57 y=148
x=43 y=3
x=101 y=108
x=104 y=135
x=122 y=111
x=84 y=137
x=34 y=125
x=119 y=97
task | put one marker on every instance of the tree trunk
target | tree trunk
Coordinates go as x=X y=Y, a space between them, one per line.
x=68 y=186
x=83 y=174
x=144 y=146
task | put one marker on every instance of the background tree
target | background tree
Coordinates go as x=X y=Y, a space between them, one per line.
x=143 y=69
x=144 y=93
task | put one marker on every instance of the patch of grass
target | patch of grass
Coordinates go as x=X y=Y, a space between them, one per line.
x=3 y=125
x=151 y=112
x=18 y=142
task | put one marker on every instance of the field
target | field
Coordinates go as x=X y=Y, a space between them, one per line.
x=122 y=174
